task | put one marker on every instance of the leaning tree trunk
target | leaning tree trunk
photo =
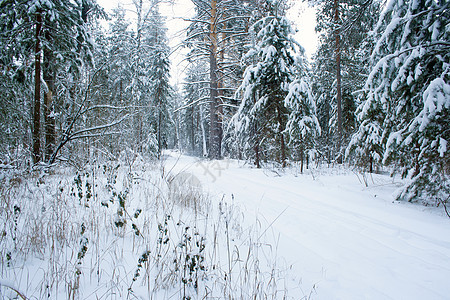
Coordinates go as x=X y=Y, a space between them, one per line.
x=36 y=155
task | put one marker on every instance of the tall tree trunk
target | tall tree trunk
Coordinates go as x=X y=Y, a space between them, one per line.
x=191 y=130
x=215 y=137
x=48 y=74
x=302 y=158
x=202 y=127
x=338 y=76
x=136 y=99
x=159 y=132
x=37 y=91
x=283 y=150
x=256 y=147
x=257 y=159
x=281 y=135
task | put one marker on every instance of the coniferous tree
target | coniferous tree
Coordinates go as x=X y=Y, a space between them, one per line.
x=217 y=35
x=261 y=120
x=406 y=112
x=302 y=127
x=195 y=109
x=159 y=89
x=56 y=32
x=339 y=68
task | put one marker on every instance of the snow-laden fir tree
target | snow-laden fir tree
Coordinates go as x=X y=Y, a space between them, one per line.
x=159 y=90
x=260 y=122
x=406 y=111
x=139 y=78
x=56 y=34
x=110 y=98
x=303 y=126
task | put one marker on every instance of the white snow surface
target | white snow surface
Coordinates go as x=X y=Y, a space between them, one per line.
x=344 y=240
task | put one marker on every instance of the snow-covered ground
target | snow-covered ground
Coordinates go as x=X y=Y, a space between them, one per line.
x=344 y=240
x=184 y=227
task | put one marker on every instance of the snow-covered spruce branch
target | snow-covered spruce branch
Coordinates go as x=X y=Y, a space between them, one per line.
x=355 y=18
x=113 y=107
x=206 y=4
x=197 y=56
x=195 y=21
x=100 y=134
x=234 y=36
x=224 y=21
x=400 y=21
x=199 y=47
x=228 y=105
x=197 y=35
x=388 y=57
x=110 y=107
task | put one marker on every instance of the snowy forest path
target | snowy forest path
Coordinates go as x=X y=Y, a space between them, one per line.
x=345 y=241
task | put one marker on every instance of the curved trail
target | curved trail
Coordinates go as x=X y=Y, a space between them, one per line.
x=345 y=241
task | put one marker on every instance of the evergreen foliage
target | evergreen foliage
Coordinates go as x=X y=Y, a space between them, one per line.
x=405 y=117
x=270 y=97
x=379 y=84
x=343 y=27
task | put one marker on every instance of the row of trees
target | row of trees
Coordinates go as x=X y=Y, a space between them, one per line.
x=376 y=93
x=248 y=83
x=107 y=90
x=260 y=86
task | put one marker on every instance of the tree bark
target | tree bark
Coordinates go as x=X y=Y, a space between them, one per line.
x=202 y=127
x=36 y=155
x=160 y=146
x=191 y=129
x=302 y=158
x=48 y=74
x=282 y=142
x=338 y=76
x=256 y=148
x=215 y=136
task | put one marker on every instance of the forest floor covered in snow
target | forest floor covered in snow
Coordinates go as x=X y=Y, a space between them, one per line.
x=344 y=240
x=186 y=228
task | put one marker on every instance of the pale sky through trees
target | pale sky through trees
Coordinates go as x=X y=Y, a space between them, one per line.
x=302 y=16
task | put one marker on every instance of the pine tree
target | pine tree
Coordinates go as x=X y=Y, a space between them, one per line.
x=339 y=67
x=406 y=112
x=55 y=30
x=159 y=90
x=302 y=127
x=261 y=120
x=217 y=35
